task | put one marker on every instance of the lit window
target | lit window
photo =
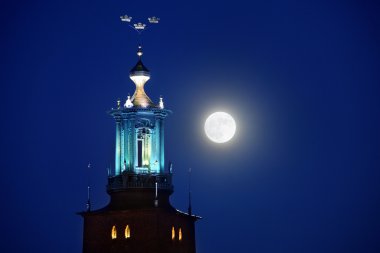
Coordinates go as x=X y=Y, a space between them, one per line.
x=173 y=233
x=127 y=232
x=113 y=233
x=180 y=234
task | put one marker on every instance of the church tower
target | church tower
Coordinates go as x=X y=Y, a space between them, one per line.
x=139 y=217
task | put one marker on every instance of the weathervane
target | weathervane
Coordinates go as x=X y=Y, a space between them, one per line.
x=139 y=27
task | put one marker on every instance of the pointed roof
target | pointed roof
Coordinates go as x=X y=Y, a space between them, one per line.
x=139 y=67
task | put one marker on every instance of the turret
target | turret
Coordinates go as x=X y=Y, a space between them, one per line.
x=139 y=149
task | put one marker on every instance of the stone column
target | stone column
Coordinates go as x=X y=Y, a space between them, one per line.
x=122 y=147
x=162 y=150
x=117 y=147
x=158 y=140
x=126 y=127
x=132 y=142
x=153 y=152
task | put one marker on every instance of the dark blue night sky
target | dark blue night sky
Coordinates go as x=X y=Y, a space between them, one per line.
x=301 y=78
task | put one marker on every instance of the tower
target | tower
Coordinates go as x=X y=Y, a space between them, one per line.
x=139 y=217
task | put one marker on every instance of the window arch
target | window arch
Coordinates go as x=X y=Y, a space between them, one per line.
x=173 y=233
x=143 y=147
x=180 y=234
x=113 y=232
x=127 y=232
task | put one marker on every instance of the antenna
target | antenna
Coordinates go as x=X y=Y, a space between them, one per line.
x=88 y=204
x=189 y=209
x=139 y=27
x=156 y=198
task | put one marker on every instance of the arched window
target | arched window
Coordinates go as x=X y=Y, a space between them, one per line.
x=143 y=146
x=180 y=234
x=127 y=232
x=113 y=233
x=173 y=233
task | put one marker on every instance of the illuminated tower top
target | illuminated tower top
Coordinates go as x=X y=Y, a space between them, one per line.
x=139 y=74
x=139 y=146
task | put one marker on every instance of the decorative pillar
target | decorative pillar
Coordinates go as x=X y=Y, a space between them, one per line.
x=153 y=149
x=126 y=126
x=117 y=151
x=158 y=141
x=162 y=150
x=127 y=146
x=122 y=149
x=132 y=142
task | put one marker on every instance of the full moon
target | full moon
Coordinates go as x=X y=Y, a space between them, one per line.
x=220 y=127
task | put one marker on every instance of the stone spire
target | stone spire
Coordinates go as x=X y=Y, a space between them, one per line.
x=139 y=74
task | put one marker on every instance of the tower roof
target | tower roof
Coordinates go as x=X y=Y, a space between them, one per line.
x=139 y=74
x=139 y=67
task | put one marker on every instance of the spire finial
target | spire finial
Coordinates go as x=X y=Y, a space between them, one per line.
x=139 y=51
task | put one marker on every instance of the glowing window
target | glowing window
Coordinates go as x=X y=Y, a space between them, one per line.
x=180 y=234
x=127 y=232
x=173 y=233
x=113 y=233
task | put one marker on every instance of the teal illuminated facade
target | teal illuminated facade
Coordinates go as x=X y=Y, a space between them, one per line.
x=139 y=129
x=139 y=140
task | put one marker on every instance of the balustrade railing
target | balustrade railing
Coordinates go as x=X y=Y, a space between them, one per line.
x=132 y=180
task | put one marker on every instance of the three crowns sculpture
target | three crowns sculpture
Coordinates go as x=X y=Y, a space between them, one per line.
x=139 y=27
